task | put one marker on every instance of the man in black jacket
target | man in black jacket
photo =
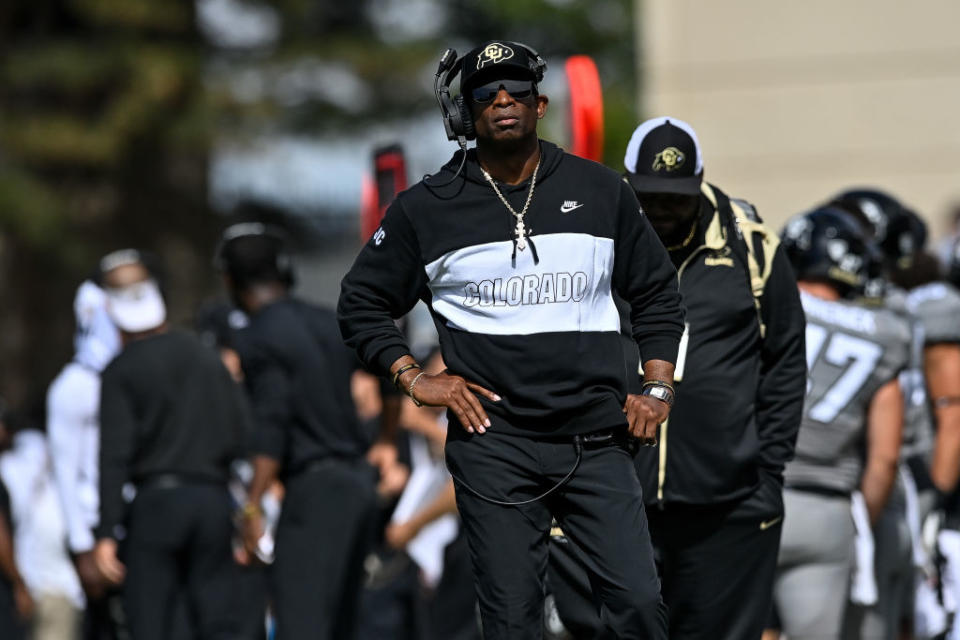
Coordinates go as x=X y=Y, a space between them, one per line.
x=298 y=373
x=171 y=422
x=713 y=486
x=517 y=248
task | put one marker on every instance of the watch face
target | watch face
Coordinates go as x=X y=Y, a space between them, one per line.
x=660 y=393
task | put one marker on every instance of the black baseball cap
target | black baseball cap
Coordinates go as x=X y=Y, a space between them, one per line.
x=499 y=59
x=663 y=156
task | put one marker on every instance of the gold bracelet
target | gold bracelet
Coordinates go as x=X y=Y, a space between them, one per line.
x=659 y=383
x=250 y=509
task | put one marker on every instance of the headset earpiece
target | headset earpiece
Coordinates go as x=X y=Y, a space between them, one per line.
x=457 y=120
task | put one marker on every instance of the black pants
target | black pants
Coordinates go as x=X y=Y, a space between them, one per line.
x=452 y=609
x=325 y=530
x=601 y=507
x=179 y=546
x=105 y=618
x=717 y=564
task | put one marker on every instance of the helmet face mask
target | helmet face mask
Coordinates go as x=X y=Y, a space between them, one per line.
x=828 y=245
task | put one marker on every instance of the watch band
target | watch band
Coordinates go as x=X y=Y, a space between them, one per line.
x=659 y=391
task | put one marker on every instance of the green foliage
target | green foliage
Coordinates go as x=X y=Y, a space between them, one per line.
x=108 y=109
x=29 y=210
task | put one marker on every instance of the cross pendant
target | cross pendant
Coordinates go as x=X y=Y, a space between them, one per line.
x=521 y=236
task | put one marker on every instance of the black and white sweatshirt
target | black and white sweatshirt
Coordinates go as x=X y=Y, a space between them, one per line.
x=542 y=331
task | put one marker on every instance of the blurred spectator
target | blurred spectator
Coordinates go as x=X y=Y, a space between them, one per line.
x=171 y=424
x=216 y=323
x=40 y=536
x=16 y=604
x=299 y=375
x=429 y=531
x=73 y=430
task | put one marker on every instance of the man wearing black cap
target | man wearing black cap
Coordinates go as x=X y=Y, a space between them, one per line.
x=713 y=484
x=298 y=372
x=518 y=248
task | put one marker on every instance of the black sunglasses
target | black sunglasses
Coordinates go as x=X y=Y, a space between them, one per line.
x=518 y=90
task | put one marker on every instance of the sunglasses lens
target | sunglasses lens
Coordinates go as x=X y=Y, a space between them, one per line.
x=484 y=94
x=518 y=90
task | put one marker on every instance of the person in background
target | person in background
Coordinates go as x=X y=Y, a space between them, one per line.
x=216 y=324
x=934 y=302
x=901 y=563
x=16 y=603
x=171 y=425
x=40 y=537
x=298 y=374
x=715 y=510
x=73 y=433
x=849 y=440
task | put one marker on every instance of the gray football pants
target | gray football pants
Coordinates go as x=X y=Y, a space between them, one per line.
x=894 y=571
x=813 y=569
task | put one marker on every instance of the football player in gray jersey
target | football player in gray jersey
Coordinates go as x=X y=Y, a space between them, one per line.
x=897 y=552
x=932 y=392
x=847 y=450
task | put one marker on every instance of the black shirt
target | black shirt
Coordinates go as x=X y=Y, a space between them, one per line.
x=298 y=373
x=168 y=406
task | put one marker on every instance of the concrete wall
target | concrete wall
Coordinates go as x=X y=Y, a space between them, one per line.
x=793 y=101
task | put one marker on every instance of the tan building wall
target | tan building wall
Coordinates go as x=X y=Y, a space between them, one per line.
x=794 y=101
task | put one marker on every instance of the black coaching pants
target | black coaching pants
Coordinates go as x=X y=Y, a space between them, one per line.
x=600 y=507
x=179 y=546
x=717 y=564
x=324 y=533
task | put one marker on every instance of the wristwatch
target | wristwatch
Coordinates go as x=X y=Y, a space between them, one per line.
x=658 y=390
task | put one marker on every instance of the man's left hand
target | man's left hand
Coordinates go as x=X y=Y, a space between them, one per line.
x=105 y=556
x=644 y=415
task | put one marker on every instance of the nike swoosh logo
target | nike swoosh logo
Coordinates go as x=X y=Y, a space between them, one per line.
x=567 y=209
x=769 y=523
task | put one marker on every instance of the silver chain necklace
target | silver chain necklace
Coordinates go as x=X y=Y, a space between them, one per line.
x=521 y=228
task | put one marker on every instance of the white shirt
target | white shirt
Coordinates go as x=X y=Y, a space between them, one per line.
x=39 y=529
x=73 y=430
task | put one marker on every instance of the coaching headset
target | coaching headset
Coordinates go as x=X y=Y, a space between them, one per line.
x=457 y=120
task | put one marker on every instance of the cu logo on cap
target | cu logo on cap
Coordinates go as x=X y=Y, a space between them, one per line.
x=670 y=159
x=378 y=236
x=494 y=53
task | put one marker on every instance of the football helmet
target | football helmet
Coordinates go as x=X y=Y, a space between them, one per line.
x=898 y=230
x=828 y=245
